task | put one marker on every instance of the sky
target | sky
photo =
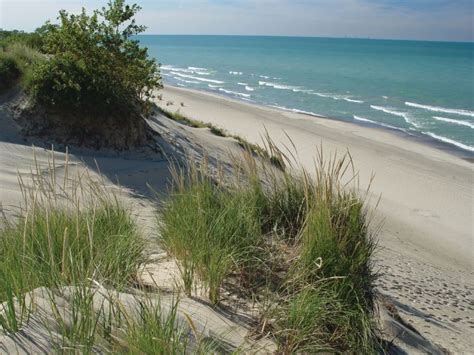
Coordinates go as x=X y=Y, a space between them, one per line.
x=446 y=20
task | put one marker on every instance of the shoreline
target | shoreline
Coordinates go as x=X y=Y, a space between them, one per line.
x=401 y=166
x=415 y=136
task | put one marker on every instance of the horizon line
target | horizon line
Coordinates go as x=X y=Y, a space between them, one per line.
x=310 y=36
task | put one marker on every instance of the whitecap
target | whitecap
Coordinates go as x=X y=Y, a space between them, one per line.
x=264 y=77
x=362 y=119
x=234 y=93
x=278 y=86
x=186 y=81
x=353 y=100
x=248 y=88
x=306 y=91
x=338 y=97
x=198 y=78
x=213 y=86
x=183 y=70
x=235 y=73
x=295 y=110
x=450 y=141
x=242 y=84
x=441 y=109
x=197 y=68
x=390 y=111
x=457 y=122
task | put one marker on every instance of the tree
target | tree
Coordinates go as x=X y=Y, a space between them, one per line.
x=95 y=66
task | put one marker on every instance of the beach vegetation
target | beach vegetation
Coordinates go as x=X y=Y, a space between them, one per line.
x=68 y=242
x=266 y=152
x=96 y=66
x=72 y=249
x=301 y=237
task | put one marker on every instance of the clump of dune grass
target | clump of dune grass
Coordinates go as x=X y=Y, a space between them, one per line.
x=211 y=231
x=69 y=231
x=16 y=62
x=323 y=297
x=76 y=244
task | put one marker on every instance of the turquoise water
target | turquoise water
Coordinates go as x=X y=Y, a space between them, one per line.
x=425 y=89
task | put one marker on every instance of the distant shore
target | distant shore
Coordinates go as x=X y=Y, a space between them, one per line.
x=413 y=135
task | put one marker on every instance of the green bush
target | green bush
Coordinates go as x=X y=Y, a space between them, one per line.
x=33 y=40
x=9 y=72
x=95 y=66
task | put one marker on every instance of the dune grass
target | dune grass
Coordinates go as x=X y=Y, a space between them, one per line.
x=54 y=244
x=212 y=232
x=76 y=241
x=268 y=152
x=16 y=62
x=324 y=300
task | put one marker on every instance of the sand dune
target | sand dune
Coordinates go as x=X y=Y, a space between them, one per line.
x=426 y=206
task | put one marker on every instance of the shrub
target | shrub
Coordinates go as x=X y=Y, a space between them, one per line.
x=96 y=67
x=16 y=62
x=33 y=40
x=9 y=72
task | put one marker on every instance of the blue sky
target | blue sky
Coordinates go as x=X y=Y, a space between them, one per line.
x=394 y=19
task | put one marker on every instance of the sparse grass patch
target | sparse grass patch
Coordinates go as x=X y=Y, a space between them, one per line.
x=276 y=159
x=67 y=235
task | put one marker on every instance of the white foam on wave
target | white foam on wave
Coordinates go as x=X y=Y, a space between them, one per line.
x=186 y=81
x=213 y=86
x=306 y=91
x=295 y=110
x=323 y=95
x=353 y=100
x=363 y=119
x=235 y=73
x=390 y=111
x=264 y=77
x=278 y=86
x=199 y=71
x=441 y=109
x=242 y=84
x=450 y=141
x=197 y=78
x=457 y=122
x=234 y=93
x=338 y=97
x=249 y=88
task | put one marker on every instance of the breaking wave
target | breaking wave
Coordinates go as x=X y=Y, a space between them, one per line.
x=441 y=109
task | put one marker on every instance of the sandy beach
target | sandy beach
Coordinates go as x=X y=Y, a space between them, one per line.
x=425 y=213
x=423 y=220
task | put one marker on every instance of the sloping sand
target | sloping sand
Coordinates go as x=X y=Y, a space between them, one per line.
x=426 y=242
